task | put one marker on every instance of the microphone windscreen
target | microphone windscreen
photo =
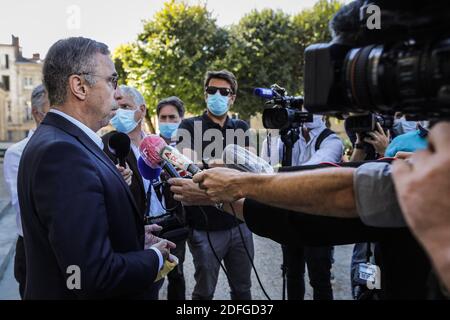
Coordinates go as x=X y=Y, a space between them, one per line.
x=148 y=172
x=150 y=149
x=119 y=144
x=239 y=158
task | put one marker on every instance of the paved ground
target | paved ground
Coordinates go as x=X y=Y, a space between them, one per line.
x=267 y=263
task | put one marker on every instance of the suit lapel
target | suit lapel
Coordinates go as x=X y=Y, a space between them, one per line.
x=56 y=120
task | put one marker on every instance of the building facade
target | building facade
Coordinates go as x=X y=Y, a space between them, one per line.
x=18 y=77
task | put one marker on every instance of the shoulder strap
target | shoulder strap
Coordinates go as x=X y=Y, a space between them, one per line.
x=322 y=136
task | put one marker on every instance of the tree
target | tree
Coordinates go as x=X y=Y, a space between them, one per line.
x=172 y=54
x=311 y=27
x=262 y=52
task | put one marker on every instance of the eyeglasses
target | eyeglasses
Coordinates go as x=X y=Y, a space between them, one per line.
x=113 y=79
x=223 y=91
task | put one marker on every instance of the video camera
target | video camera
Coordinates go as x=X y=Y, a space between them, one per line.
x=403 y=66
x=285 y=111
x=368 y=122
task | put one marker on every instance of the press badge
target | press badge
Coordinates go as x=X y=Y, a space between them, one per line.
x=371 y=274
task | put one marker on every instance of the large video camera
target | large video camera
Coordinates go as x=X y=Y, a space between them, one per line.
x=404 y=66
x=285 y=112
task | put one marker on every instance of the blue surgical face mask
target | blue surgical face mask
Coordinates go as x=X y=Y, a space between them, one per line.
x=124 y=121
x=218 y=104
x=168 y=129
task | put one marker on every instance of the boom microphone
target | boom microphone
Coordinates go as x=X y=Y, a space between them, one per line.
x=239 y=158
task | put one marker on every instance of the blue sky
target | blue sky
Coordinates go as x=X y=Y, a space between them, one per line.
x=39 y=23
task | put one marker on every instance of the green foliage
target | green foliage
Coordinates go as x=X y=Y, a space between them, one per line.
x=262 y=51
x=182 y=42
x=172 y=54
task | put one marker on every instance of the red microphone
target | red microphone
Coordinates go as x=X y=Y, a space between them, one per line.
x=151 y=149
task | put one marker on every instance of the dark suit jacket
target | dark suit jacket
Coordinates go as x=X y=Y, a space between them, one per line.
x=137 y=185
x=78 y=211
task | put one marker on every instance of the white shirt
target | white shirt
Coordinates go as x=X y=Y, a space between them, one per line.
x=90 y=133
x=304 y=153
x=11 y=171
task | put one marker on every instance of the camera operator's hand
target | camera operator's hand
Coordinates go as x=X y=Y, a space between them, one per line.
x=164 y=246
x=220 y=184
x=379 y=140
x=423 y=187
x=150 y=238
x=188 y=193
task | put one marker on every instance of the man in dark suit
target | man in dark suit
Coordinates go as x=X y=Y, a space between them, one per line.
x=84 y=236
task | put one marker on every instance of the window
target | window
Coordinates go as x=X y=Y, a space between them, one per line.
x=10 y=135
x=28 y=82
x=28 y=115
x=6 y=61
x=5 y=80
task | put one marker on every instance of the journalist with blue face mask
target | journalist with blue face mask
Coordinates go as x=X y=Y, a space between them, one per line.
x=196 y=137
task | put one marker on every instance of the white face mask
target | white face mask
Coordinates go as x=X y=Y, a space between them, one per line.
x=317 y=122
x=402 y=126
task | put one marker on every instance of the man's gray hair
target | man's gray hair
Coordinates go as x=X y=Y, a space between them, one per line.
x=66 y=58
x=39 y=98
x=133 y=93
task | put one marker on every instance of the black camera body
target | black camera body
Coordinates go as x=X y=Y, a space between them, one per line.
x=285 y=112
x=404 y=66
x=172 y=228
x=368 y=122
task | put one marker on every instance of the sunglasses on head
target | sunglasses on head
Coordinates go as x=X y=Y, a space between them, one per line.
x=223 y=91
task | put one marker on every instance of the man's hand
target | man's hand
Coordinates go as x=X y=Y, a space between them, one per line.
x=189 y=193
x=379 y=140
x=220 y=184
x=403 y=155
x=150 y=238
x=126 y=173
x=423 y=189
x=164 y=246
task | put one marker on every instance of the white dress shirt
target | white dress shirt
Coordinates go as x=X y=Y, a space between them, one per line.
x=90 y=133
x=11 y=171
x=304 y=153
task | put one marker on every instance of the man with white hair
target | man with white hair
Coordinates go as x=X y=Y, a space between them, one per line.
x=39 y=108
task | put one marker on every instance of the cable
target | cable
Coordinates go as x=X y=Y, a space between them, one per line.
x=248 y=253
x=211 y=245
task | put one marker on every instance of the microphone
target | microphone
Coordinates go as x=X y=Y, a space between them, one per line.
x=119 y=145
x=173 y=156
x=148 y=172
x=150 y=149
x=264 y=93
x=239 y=158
